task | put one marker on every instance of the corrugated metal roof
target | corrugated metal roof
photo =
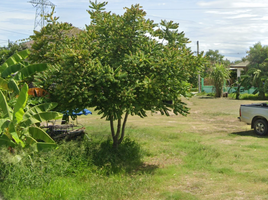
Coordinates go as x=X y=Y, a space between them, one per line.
x=240 y=65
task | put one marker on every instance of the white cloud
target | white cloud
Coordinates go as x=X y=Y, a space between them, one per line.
x=8 y=16
x=233 y=26
x=242 y=16
x=230 y=26
x=232 y=12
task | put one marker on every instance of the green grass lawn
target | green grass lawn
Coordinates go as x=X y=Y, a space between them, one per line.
x=207 y=155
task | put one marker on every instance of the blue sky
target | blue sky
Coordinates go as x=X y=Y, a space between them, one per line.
x=230 y=26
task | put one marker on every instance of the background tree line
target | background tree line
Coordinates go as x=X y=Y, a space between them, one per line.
x=255 y=74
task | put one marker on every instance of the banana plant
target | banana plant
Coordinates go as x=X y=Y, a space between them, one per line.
x=16 y=70
x=15 y=59
x=18 y=124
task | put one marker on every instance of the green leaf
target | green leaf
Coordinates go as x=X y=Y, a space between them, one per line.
x=40 y=117
x=4 y=123
x=17 y=139
x=4 y=107
x=39 y=134
x=39 y=109
x=20 y=104
x=11 y=69
x=30 y=140
x=4 y=84
x=12 y=85
x=5 y=141
x=14 y=59
x=30 y=70
x=45 y=146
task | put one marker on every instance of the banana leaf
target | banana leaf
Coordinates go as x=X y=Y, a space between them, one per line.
x=12 y=85
x=40 y=117
x=14 y=59
x=4 y=107
x=29 y=140
x=17 y=139
x=3 y=84
x=11 y=70
x=20 y=104
x=5 y=141
x=39 y=109
x=30 y=70
x=39 y=134
x=41 y=146
x=4 y=123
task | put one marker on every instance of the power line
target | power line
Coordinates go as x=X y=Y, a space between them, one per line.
x=14 y=32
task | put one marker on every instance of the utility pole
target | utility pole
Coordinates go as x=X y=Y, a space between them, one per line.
x=199 y=85
x=40 y=12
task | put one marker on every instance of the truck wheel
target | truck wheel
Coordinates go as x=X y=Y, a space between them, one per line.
x=260 y=127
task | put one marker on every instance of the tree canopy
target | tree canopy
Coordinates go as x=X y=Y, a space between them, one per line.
x=258 y=68
x=118 y=66
x=258 y=57
x=213 y=58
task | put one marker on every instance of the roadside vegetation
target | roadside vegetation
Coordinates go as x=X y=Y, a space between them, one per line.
x=207 y=155
x=156 y=142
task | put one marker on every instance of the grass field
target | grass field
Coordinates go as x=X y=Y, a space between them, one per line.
x=207 y=155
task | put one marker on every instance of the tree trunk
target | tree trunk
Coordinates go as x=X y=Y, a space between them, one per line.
x=238 y=92
x=262 y=95
x=118 y=136
x=218 y=92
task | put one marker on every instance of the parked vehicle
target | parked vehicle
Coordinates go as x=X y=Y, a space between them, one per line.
x=255 y=115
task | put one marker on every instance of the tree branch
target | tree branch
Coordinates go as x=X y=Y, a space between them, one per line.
x=112 y=126
x=118 y=128
x=123 y=129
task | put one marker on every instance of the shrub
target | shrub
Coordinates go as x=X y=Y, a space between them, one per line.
x=25 y=169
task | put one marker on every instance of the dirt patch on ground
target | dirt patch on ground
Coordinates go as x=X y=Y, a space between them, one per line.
x=226 y=141
x=164 y=161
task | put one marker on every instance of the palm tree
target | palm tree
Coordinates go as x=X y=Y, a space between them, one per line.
x=218 y=75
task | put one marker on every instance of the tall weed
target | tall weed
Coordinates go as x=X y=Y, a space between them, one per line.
x=36 y=171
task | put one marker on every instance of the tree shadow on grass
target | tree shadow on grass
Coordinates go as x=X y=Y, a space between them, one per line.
x=144 y=168
x=249 y=133
x=206 y=97
x=127 y=158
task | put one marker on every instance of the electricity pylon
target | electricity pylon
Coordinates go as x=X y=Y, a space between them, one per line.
x=40 y=13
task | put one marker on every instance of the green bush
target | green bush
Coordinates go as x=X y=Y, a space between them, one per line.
x=247 y=96
x=25 y=169
x=34 y=170
x=194 y=89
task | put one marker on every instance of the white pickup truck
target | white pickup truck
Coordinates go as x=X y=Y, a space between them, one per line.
x=255 y=115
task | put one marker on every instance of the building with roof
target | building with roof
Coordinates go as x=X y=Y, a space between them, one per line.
x=239 y=67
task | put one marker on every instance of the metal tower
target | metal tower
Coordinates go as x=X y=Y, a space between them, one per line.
x=40 y=13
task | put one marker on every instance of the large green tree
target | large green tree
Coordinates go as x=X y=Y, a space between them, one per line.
x=213 y=58
x=118 y=67
x=258 y=57
x=258 y=68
